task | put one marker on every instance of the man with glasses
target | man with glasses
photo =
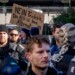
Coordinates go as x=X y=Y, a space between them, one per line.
x=19 y=49
x=14 y=36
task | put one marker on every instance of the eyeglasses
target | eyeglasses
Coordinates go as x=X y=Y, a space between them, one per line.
x=14 y=34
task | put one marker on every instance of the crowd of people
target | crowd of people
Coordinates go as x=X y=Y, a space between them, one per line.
x=28 y=53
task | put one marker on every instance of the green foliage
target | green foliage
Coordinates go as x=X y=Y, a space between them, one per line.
x=68 y=17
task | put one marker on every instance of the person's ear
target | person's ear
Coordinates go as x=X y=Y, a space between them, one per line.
x=28 y=56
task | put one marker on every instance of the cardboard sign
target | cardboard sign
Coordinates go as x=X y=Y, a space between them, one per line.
x=26 y=17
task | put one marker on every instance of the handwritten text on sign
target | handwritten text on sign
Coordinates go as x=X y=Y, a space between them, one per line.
x=26 y=17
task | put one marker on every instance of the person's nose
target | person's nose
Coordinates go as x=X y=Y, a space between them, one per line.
x=46 y=54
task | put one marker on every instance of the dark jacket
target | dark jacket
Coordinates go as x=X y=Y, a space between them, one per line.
x=50 y=71
x=15 y=51
x=63 y=61
x=71 y=70
x=9 y=66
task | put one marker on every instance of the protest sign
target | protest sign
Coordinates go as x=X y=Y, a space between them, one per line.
x=26 y=17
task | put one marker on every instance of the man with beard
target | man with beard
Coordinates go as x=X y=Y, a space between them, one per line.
x=38 y=55
x=55 y=46
x=14 y=35
x=8 y=60
x=19 y=49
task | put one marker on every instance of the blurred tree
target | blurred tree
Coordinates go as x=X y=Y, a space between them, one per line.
x=65 y=17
